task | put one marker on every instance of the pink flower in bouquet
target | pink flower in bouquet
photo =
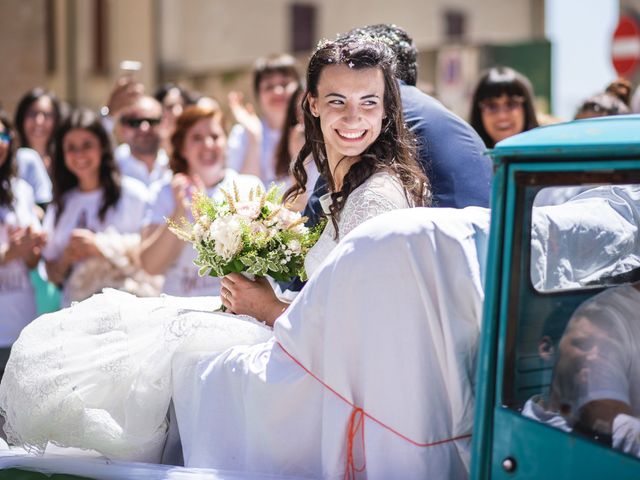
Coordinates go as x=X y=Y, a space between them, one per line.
x=258 y=228
x=285 y=218
x=249 y=210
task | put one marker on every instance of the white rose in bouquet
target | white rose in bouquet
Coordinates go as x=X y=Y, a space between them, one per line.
x=226 y=232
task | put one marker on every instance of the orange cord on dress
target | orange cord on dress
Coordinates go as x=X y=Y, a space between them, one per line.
x=361 y=415
x=356 y=422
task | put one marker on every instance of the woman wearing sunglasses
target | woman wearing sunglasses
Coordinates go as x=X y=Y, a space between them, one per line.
x=20 y=243
x=502 y=105
x=90 y=201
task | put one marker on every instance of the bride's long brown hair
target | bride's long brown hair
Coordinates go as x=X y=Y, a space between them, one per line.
x=395 y=148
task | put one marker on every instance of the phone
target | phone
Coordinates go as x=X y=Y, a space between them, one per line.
x=129 y=67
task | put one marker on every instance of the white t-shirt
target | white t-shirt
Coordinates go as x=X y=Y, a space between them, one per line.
x=237 y=149
x=17 y=296
x=182 y=279
x=81 y=211
x=32 y=170
x=130 y=166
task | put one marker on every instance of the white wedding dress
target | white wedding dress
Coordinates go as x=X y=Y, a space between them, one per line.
x=97 y=375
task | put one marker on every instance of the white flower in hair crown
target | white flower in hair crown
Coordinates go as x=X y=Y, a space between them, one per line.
x=357 y=40
x=257 y=235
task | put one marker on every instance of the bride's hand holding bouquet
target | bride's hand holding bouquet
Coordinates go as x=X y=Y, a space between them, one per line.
x=245 y=240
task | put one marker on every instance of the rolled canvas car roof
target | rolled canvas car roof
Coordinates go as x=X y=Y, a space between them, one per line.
x=603 y=137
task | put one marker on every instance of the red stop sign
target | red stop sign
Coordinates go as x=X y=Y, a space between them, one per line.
x=625 y=49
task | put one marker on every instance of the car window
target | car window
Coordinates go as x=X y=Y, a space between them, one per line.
x=585 y=236
x=572 y=356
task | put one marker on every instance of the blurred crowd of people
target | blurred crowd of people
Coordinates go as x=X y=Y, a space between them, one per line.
x=84 y=195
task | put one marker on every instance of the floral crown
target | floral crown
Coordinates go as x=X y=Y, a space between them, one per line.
x=351 y=43
x=355 y=41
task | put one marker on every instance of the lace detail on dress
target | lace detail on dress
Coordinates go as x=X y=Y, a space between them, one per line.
x=380 y=193
x=98 y=374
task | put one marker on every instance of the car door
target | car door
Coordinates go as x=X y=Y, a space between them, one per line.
x=564 y=236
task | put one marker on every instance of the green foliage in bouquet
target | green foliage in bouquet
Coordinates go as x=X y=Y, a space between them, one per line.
x=259 y=235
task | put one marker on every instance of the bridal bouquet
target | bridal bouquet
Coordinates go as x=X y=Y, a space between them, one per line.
x=258 y=235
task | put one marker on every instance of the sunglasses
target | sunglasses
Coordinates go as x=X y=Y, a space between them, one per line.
x=5 y=137
x=132 y=122
x=492 y=107
x=288 y=86
x=33 y=114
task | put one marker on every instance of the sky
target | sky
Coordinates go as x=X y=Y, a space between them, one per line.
x=580 y=32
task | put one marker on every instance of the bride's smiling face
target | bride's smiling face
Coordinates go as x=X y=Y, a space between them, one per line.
x=350 y=105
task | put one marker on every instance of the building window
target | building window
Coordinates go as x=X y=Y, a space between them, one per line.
x=455 y=22
x=303 y=27
x=100 y=40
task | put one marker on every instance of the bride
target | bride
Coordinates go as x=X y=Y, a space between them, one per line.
x=98 y=374
x=357 y=137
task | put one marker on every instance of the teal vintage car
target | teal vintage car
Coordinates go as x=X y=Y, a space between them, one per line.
x=520 y=307
x=546 y=258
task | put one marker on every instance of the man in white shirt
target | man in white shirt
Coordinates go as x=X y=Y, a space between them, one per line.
x=595 y=388
x=140 y=156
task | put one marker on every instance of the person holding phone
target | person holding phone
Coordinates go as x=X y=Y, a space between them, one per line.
x=124 y=93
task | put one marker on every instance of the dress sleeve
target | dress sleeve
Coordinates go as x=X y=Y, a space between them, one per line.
x=370 y=202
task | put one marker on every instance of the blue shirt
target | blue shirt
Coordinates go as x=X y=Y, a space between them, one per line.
x=450 y=151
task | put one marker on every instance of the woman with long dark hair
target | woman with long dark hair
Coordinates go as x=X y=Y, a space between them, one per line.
x=37 y=117
x=89 y=197
x=356 y=135
x=502 y=105
x=21 y=241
